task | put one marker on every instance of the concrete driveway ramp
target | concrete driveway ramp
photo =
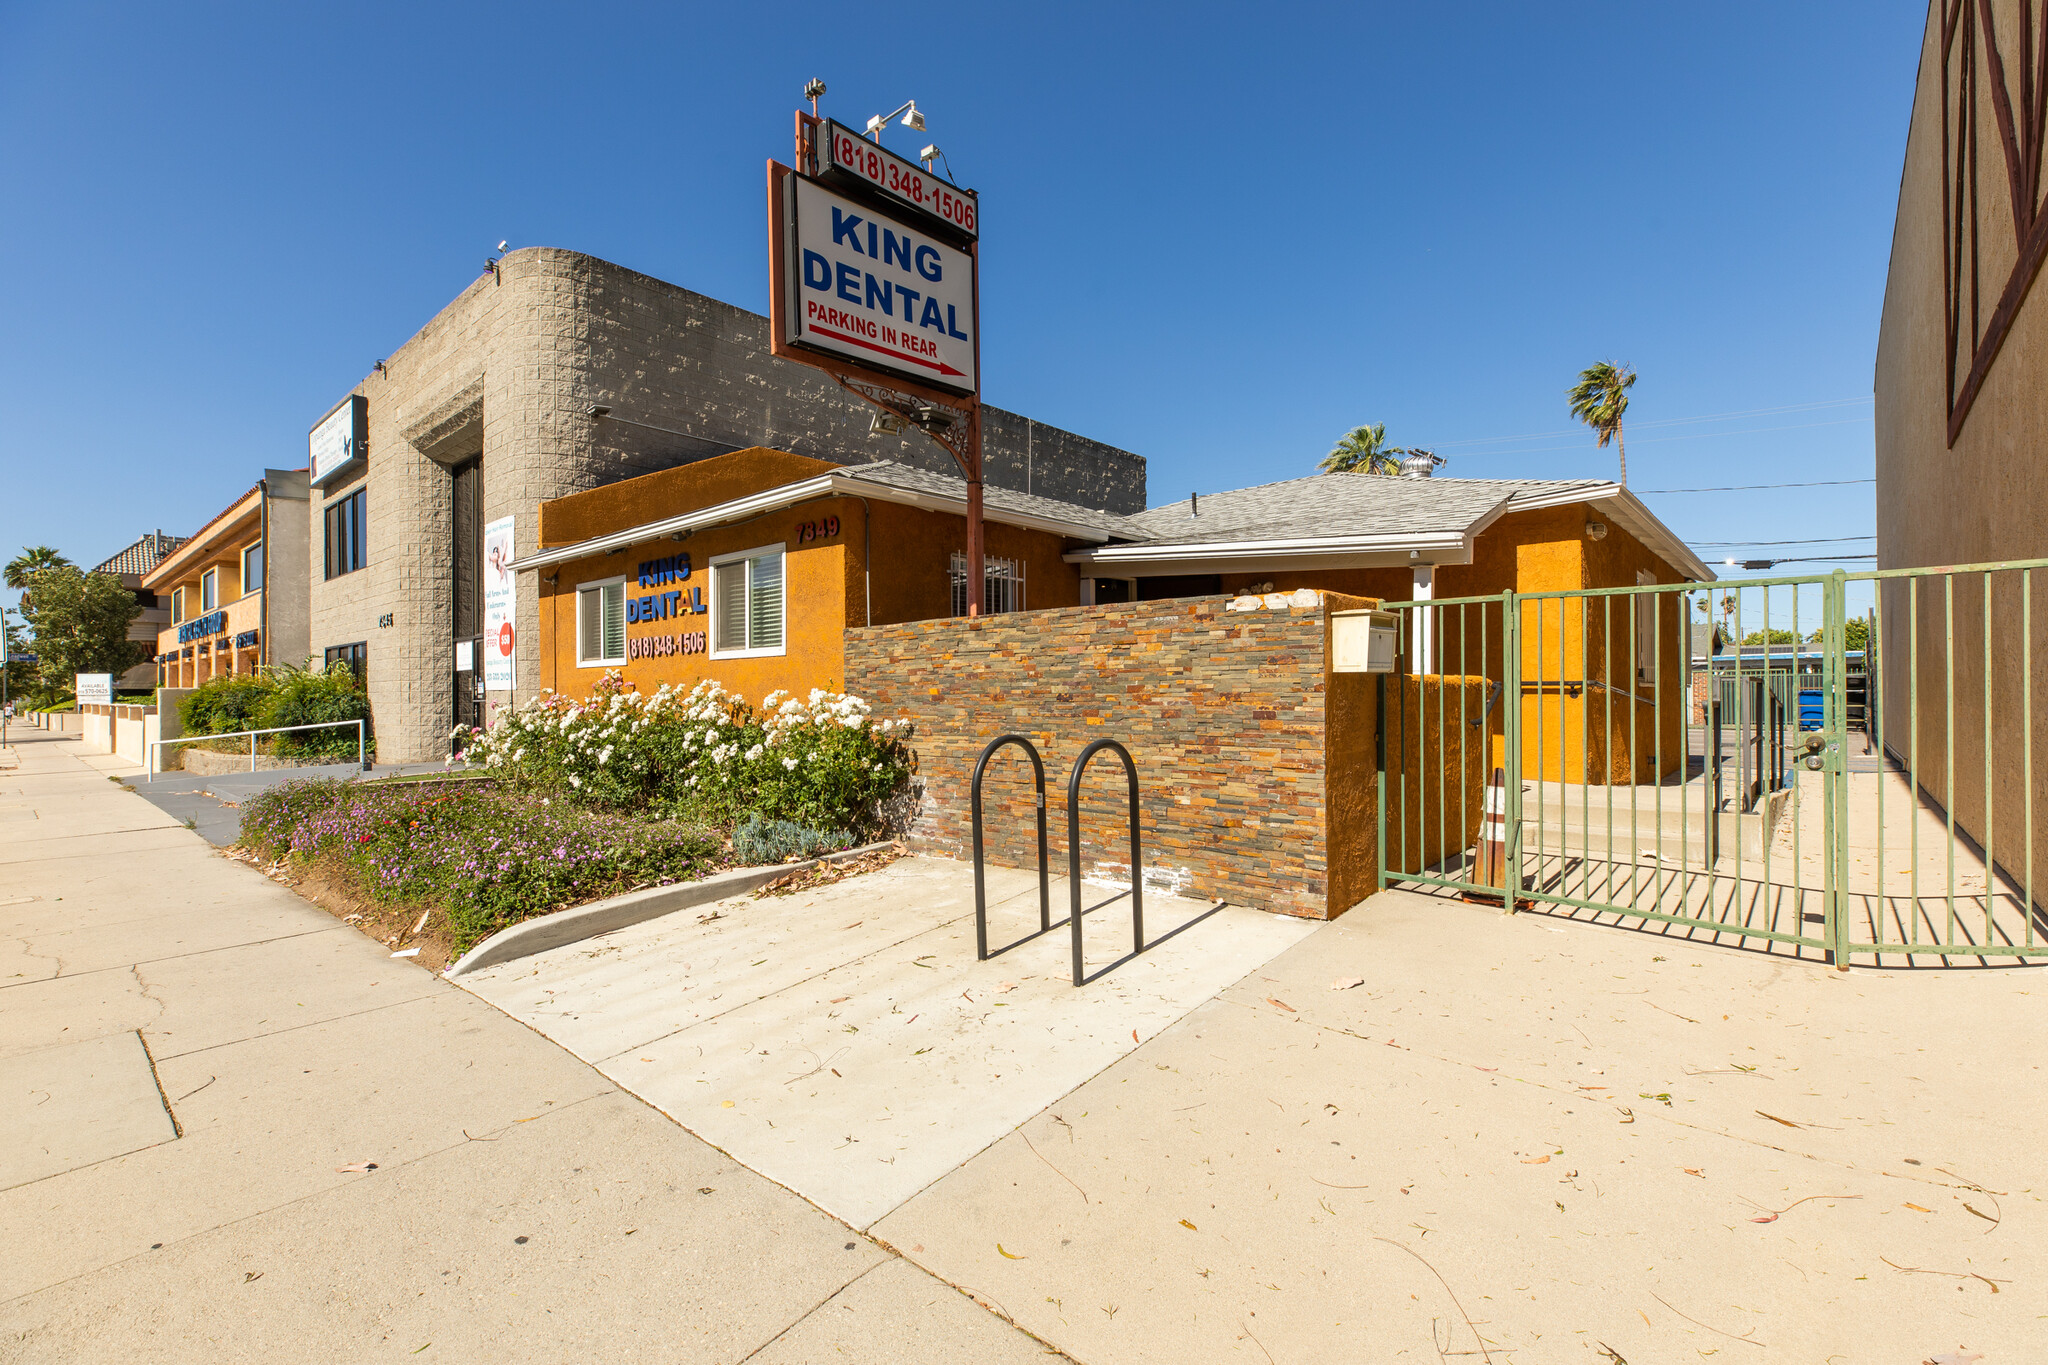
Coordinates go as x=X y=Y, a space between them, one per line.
x=845 y=1041
x=70 y=1106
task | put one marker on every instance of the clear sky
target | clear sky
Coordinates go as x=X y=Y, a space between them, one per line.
x=1216 y=235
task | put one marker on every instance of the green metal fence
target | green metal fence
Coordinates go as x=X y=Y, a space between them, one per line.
x=1851 y=779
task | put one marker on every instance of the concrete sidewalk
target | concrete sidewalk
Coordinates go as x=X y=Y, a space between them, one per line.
x=190 y=1054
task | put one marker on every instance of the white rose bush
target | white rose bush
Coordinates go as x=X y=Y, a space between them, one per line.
x=821 y=762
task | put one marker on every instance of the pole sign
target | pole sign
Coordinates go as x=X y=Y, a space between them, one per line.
x=876 y=290
x=499 y=636
x=340 y=439
x=845 y=157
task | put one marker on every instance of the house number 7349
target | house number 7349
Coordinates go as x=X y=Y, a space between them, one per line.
x=824 y=528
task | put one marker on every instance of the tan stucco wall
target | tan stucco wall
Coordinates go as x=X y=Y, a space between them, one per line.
x=1982 y=501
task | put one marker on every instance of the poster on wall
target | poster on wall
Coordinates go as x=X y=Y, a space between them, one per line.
x=499 y=637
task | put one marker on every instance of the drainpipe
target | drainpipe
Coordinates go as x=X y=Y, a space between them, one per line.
x=263 y=607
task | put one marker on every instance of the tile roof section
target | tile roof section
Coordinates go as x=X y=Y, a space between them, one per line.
x=892 y=475
x=144 y=555
x=1342 y=505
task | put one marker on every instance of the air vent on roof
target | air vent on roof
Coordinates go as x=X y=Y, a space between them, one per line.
x=1420 y=464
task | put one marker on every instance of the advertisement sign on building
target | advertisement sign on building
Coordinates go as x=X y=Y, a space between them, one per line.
x=95 y=689
x=877 y=290
x=340 y=439
x=499 y=637
x=846 y=157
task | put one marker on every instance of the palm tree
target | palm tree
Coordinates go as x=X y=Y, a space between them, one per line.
x=31 y=562
x=1599 y=399
x=1363 y=450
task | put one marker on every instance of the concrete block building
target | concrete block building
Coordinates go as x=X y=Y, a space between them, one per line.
x=553 y=374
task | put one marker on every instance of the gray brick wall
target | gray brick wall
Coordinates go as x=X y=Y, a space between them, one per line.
x=509 y=369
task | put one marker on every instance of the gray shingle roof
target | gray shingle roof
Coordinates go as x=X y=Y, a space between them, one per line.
x=144 y=555
x=892 y=475
x=1341 y=505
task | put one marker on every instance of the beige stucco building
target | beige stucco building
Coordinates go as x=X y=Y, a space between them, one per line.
x=1962 y=423
x=236 y=591
x=554 y=373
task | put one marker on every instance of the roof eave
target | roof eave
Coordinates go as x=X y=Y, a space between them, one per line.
x=823 y=486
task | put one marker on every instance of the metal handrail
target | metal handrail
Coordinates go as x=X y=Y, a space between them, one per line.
x=150 y=750
x=1044 y=876
x=1074 y=849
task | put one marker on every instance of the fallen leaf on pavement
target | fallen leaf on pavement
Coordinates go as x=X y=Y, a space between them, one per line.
x=1345 y=983
x=252 y=1275
x=1007 y=986
x=999 y=1247
x=1767 y=1218
x=1134 y=1035
x=1189 y=1226
x=1953 y=1358
x=725 y=1104
x=1534 y=1160
x=1689 y=1170
x=842 y=999
x=1281 y=1003
x=1775 y=1119
x=1916 y=1208
x=355 y=1168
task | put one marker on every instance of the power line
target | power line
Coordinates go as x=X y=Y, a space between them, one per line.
x=1666 y=422
x=1752 y=487
x=1818 y=540
x=1799 y=559
x=1662 y=440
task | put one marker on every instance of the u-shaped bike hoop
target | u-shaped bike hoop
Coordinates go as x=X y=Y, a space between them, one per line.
x=1074 y=849
x=1044 y=884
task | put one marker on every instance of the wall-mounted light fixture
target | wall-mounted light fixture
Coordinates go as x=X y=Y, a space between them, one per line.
x=886 y=424
x=379 y=368
x=597 y=411
x=1596 y=530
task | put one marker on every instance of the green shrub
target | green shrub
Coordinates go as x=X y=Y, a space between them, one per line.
x=760 y=841
x=822 y=763
x=222 y=706
x=308 y=697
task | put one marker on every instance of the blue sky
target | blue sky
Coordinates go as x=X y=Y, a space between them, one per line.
x=1216 y=235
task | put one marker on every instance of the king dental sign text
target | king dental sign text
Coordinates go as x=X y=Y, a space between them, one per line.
x=878 y=291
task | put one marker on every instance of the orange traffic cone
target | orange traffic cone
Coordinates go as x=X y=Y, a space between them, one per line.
x=1490 y=850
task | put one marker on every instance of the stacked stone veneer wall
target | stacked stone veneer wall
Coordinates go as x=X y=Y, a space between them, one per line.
x=1223 y=711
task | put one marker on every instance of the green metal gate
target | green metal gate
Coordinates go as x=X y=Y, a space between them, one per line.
x=1837 y=766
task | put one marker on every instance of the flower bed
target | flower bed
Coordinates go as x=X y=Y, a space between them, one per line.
x=484 y=855
x=822 y=763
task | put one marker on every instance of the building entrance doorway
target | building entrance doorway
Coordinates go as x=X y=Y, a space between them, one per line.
x=466 y=489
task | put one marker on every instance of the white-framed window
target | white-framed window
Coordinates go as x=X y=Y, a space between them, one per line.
x=252 y=568
x=748 y=603
x=209 y=590
x=177 y=606
x=601 y=624
x=1002 y=584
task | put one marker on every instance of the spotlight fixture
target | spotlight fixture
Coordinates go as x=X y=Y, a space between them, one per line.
x=1596 y=530
x=886 y=424
x=596 y=411
x=379 y=368
x=814 y=89
x=683 y=534
x=933 y=419
x=911 y=119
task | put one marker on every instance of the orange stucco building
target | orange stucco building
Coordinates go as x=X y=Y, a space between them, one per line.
x=748 y=568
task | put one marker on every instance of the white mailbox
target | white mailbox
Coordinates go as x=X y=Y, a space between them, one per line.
x=1364 y=641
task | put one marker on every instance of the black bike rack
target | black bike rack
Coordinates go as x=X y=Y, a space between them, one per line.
x=1044 y=883
x=1045 y=924
x=1074 y=849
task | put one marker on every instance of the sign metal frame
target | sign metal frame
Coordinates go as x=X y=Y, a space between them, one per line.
x=952 y=420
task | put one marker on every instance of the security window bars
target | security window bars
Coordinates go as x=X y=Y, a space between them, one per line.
x=1002 y=585
x=346 y=548
x=252 y=568
x=601 y=625
x=747 y=603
